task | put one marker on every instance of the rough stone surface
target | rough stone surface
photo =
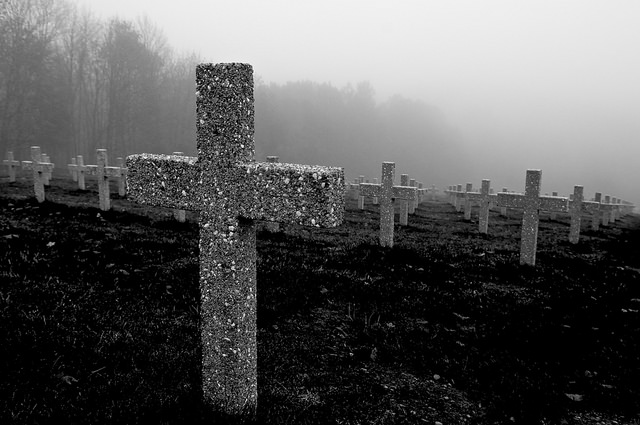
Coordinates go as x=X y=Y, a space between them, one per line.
x=386 y=193
x=39 y=169
x=230 y=190
x=531 y=202
x=273 y=226
x=103 y=171
x=12 y=165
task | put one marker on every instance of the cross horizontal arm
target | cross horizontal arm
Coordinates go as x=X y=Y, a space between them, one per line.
x=554 y=203
x=404 y=192
x=511 y=200
x=310 y=195
x=289 y=193
x=164 y=181
x=590 y=206
x=109 y=171
x=370 y=189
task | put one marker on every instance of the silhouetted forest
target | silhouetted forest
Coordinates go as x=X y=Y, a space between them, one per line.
x=71 y=83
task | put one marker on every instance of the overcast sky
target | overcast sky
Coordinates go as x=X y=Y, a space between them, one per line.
x=545 y=84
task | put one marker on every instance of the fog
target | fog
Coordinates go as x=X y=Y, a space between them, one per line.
x=508 y=85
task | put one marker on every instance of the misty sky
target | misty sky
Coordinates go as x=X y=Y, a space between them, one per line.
x=529 y=84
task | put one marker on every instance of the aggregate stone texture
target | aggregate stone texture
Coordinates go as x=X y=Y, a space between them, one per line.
x=39 y=169
x=230 y=190
x=404 y=203
x=386 y=192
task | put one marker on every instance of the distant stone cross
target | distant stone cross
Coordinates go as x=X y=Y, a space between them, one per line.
x=103 y=172
x=121 y=176
x=483 y=199
x=230 y=190
x=47 y=174
x=467 y=201
x=458 y=198
x=404 y=203
x=73 y=169
x=386 y=193
x=39 y=168
x=577 y=206
x=531 y=202
x=12 y=164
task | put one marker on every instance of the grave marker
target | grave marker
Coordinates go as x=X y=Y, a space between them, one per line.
x=577 y=206
x=413 y=203
x=503 y=210
x=230 y=190
x=404 y=203
x=12 y=164
x=103 y=171
x=375 y=200
x=386 y=193
x=531 y=202
x=39 y=168
x=433 y=191
x=596 y=213
x=483 y=198
x=73 y=169
x=121 y=176
x=605 y=208
x=467 y=201
x=552 y=214
x=46 y=176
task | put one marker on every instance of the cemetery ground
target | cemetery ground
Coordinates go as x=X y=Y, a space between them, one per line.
x=100 y=310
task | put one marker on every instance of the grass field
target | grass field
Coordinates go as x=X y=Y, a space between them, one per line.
x=100 y=311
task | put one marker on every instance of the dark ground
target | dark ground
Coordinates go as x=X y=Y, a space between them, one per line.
x=99 y=314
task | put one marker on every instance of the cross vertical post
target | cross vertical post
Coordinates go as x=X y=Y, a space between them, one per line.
x=121 y=176
x=39 y=168
x=103 y=172
x=73 y=169
x=46 y=175
x=467 y=201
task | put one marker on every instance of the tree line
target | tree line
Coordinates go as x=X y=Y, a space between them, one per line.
x=71 y=83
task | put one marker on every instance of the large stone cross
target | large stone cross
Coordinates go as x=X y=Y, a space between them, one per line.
x=386 y=193
x=12 y=164
x=483 y=198
x=103 y=171
x=230 y=190
x=40 y=170
x=531 y=202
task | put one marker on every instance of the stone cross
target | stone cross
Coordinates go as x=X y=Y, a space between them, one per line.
x=605 y=208
x=483 y=199
x=433 y=191
x=413 y=203
x=614 y=209
x=73 y=169
x=459 y=201
x=39 y=168
x=47 y=174
x=467 y=201
x=82 y=172
x=577 y=206
x=103 y=172
x=375 y=200
x=552 y=214
x=121 y=176
x=531 y=202
x=230 y=190
x=386 y=193
x=596 y=214
x=360 y=195
x=503 y=210
x=12 y=164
